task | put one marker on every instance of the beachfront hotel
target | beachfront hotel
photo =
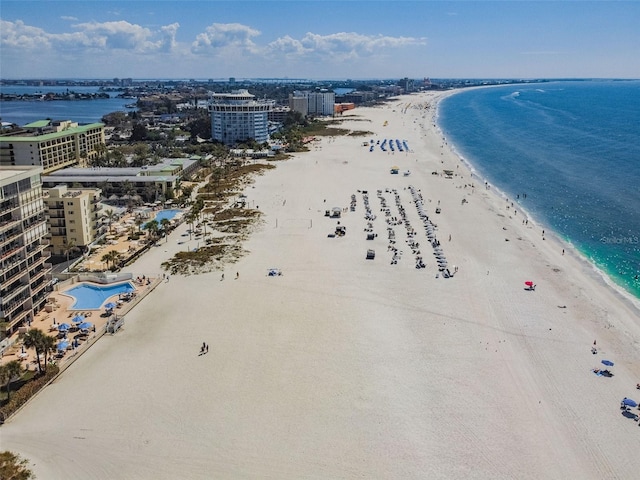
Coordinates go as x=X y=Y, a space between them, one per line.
x=51 y=145
x=73 y=217
x=25 y=274
x=320 y=103
x=238 y=116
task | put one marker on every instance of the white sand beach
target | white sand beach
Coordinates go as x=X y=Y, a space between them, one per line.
x=347 y=368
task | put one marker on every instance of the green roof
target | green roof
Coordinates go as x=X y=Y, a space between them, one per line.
x=50 y=136
x=38 y=124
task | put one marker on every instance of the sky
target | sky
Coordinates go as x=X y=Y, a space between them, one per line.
x=319 y=40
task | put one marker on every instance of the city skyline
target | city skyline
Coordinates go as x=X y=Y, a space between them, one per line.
x=319 y=40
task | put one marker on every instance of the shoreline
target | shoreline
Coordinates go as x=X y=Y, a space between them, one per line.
x=607 y=279
x=351 y=368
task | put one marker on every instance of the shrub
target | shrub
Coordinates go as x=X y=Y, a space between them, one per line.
x=28 y=390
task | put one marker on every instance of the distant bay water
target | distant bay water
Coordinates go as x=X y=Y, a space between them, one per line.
x=81 y=111
x=574 y=149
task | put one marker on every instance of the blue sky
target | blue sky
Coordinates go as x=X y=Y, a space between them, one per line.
x=319 y=39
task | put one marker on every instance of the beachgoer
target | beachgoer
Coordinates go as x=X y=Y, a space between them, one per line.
x=222 y=278
x=237 y=274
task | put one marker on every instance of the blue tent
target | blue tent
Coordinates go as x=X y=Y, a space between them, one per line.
x=608 y=363
x=629 y=403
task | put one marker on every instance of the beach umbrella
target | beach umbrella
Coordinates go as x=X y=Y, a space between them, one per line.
x=85 y=325
x=608 y=363
x=78 y=319
x=63 y=327
x=110 y=306
x=63 y=345
x=629 y=403
x=529 y=283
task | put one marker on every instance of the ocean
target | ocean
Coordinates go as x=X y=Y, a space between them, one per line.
x=573 y=148
x=81 y=111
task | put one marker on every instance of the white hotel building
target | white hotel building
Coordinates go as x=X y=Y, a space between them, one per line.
x=238 y=116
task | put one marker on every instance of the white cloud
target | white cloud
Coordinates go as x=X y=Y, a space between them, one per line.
x=220 y=36
x=340 y=46
x=67 y=17
x=102 y=36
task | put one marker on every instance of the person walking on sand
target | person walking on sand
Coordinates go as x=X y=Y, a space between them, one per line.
x=222 y=278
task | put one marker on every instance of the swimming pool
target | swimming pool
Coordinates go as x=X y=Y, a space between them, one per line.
x=91 y=297
x=168 y=214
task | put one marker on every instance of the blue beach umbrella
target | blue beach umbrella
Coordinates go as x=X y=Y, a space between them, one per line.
x=78 y=319
x=608 y=363
x=85 y=325
x=110 y=306
x=63 y=327
x=629 y=403
x=63 y=345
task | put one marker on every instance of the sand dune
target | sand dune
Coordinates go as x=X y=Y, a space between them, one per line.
x=351 y=368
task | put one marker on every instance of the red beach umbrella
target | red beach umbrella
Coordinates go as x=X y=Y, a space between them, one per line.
x=529 y=283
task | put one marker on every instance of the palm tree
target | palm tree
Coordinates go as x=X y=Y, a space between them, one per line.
x=48 y=346
x=112 y=257
x=165 y=223
x=152 y=227
x=139 y=221
x=8 y=373
x=111 y=216
x=69 y=248
x=34 y=338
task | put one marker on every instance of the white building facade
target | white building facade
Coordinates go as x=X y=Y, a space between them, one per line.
x=238 y=116
x=320 y=103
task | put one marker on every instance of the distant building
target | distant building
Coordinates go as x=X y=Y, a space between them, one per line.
x=279 y=114
x=51 y=145
x=73 y=217
x=25 y=274
x=320 y=103
x=238 y=116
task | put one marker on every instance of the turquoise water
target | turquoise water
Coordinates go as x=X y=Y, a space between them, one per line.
x=168 y=214
x=91 y=297
x=573 y=148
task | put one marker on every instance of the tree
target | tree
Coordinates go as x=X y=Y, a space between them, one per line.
x=13 y=467
x=69 y=248
x=34 y=338
x=166 y=223
x=8 y=373
x=112 y=257
x=48 y=346
x=138 y=133
x=111 y=216
x=152 y=227
x=139 y=221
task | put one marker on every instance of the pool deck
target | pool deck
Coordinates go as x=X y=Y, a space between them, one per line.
x=63 y=313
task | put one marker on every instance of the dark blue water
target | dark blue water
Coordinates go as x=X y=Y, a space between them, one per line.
x=81 y=111
x=574 y=149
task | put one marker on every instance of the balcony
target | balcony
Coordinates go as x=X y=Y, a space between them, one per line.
x=20 y=317
x=7 y=224
x=14 y=294
x=14 y=276
x=10 y=264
